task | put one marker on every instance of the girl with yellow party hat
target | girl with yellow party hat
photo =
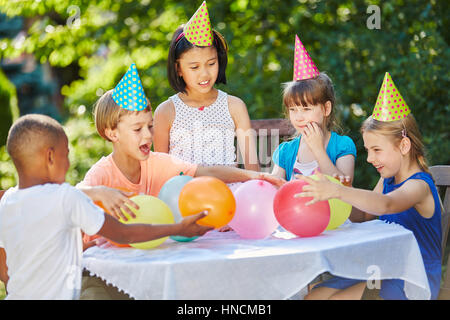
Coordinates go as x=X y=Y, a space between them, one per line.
x=199 y=123
x=405 y=194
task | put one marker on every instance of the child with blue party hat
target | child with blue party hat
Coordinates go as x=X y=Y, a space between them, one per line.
x=123 y=116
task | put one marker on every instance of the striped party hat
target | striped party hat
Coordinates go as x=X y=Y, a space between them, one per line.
x=129 y=93
x=390 y=105
x=198 y=29
x=304 y=67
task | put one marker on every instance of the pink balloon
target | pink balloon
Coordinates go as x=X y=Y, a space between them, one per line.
x=295 y=216
x=254 y=217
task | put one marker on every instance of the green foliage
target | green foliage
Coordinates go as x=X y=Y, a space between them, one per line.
x=8 y=106
x=8 y=175
x=29 y=82
x=86 y=147
x=412 y=45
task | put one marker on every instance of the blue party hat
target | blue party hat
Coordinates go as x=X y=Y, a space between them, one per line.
x=129 y=93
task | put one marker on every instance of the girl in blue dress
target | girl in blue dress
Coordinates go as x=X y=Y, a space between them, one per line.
x=405 y=194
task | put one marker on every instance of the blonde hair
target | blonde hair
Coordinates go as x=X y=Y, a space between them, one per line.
x=107 y=113
x=396 y=130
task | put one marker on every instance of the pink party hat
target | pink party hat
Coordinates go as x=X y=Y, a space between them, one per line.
x=304 y=67
x=198 y=29
x=390 y=105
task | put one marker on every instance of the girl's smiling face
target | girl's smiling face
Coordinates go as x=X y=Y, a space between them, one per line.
x=199 y=68
x=382 y=154
x=134 y=133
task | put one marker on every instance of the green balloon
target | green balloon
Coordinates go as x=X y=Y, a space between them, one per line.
x=339 y=210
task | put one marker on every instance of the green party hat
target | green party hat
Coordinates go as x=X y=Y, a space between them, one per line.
x=390 y=105
x=198 y=29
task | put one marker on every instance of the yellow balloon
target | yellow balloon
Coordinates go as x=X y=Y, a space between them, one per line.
x=339 y=210
x=151 y=211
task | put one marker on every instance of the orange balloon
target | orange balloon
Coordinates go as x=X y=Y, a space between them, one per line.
x=208 y=193
x=100 y=204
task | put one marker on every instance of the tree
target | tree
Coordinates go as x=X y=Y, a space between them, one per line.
x=411 y=44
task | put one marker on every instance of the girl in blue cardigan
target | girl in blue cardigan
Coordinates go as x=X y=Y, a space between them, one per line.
x=309 y=106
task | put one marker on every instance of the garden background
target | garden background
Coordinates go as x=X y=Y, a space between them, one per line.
x=59 y=56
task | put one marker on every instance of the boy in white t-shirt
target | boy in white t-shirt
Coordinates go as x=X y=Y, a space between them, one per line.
x=41 y=218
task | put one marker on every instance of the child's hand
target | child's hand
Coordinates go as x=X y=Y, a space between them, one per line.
x=225 y=229
x=313 y=136
x=190 y=228
x=114 y=200
x=273 y=179
x=345 y=180
x=319 y=190
x=96 y=242
x=87 y=245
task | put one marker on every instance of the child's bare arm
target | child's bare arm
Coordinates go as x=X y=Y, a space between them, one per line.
x=164 y=115
x=113 y=200
x=408 y=195
x=246 y=136
x=3 y=267
x=131 y=233
x=232 y=174
x=357 y=215
x=278 y=171
x=314 y=137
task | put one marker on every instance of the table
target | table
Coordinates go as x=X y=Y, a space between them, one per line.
x=221 y=265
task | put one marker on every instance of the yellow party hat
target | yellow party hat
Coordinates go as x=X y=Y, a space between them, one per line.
x=198 y=29
x=390 y=105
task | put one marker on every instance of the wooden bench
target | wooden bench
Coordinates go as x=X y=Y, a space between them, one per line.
x=441 y=176
x=269 y=133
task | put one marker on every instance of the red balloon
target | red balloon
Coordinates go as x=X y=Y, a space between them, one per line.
x=295 y=216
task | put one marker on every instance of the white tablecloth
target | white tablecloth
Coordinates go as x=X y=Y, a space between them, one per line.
x=225 y=266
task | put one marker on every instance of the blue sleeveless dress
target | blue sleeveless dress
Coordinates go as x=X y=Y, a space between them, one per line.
x=428 y=234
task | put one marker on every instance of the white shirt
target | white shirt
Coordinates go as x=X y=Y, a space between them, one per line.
x=40 y=232
x=305 y=169
x=205 y=135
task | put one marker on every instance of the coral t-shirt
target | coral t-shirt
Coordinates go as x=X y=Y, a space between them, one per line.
x=155 y=171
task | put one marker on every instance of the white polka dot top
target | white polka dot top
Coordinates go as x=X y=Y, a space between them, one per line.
x=205 y=135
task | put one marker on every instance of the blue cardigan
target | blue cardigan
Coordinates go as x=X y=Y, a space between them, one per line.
x=286 y=153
